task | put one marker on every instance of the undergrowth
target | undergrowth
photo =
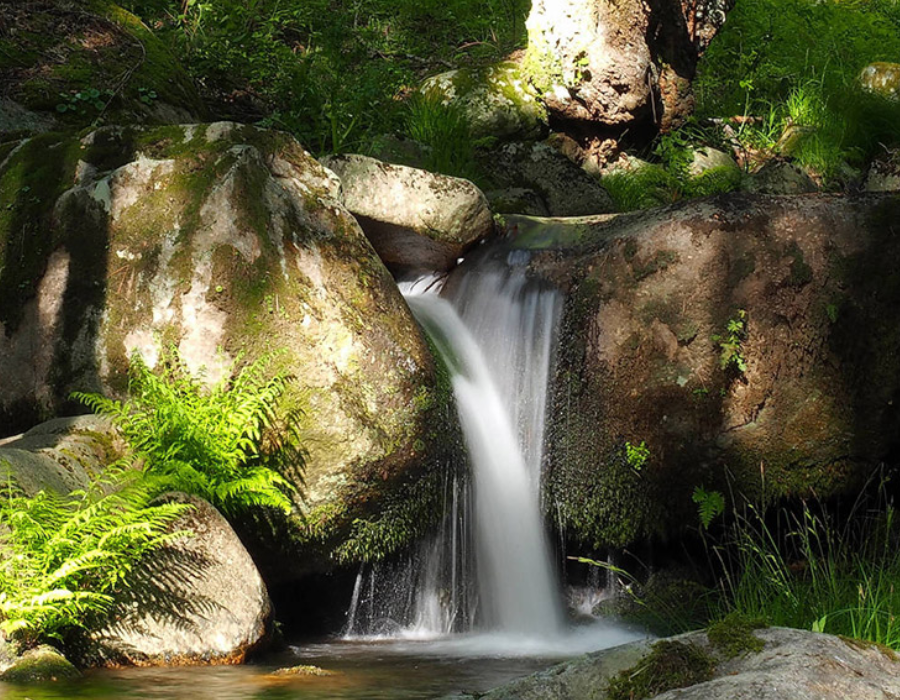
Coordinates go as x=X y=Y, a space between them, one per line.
x=225 y=444
x=65 y=556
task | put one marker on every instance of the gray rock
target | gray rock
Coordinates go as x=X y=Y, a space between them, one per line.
x=198 y=600
x=793 y=665
x=61 y=454
x=779 y=177
x=705 y=159
x=566 y=188
x=497 y=100
x=14 y=117
x=517 y=200
x=414 y=219
x=884 y=174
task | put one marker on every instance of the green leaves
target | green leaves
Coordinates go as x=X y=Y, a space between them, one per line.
x=731 y=353
x=224 y=444
x=64 y=556
x=710 y=505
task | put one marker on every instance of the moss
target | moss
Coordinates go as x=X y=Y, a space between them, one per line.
x=39 y=665
x=801 y=272
x=30 y=183
x=660 y=261
x=733 y=635
x=866 y=644
x=668 y=666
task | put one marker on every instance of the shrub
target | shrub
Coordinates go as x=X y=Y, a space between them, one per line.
x=64 y=556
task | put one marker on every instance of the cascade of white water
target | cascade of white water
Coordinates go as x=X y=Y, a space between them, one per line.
x=498 y=346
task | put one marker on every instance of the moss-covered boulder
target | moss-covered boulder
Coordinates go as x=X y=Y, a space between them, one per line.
x=750 y=343
x=225 y=241
x=38 y=665
x=73 y=64
x=497 y=100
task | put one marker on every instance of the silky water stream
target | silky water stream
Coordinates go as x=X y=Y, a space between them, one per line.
x=477 y=604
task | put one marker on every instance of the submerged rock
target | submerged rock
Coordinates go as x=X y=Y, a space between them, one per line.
x=223 y=240
x=748 y=341
x=414 y=218
x=197 y=600
x=791 y=665
x=38 y=665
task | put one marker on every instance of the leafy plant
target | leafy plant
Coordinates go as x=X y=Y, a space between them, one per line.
x=224 y=444
x=81 y=101
x=444 y=129
x=64 y=556
x=731 y=344
x=637 y=455
x=710 y=505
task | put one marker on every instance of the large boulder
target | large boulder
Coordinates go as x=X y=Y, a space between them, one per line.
x=749 y=341
x=617 y=64
x=38 y=665
x=223 y=240
x=787 y=665
x=497 y=100
x=72 y=65
x=414 y=218
x=197 y=600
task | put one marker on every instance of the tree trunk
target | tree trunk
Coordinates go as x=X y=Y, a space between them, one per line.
x=618 y=64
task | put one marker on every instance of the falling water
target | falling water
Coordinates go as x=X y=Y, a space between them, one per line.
x=497 y=338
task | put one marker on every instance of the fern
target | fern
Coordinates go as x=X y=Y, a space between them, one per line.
x=710 y=505
x=227 y=444
x=65 y=556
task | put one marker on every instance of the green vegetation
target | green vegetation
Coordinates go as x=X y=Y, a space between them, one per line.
x=669 y=665
x=733 y=635
x=65 y=556
x=444 y=130
x=329 y=72
x=637 y=455
x=785 y=75
x=710 y=505
x=223 y=444
x=731 y=355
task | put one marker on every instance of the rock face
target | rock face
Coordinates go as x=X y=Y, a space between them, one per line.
x=792 y=665
x=619 y=63
x=198 y=600
x=414 y=219
x=751 y=336
x=884 y=174
x=220 y=239
x=780 y=177
x=61 y=454
x=64 y=65
x=497 y=100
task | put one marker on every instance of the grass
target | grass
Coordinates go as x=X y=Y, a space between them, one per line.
x=809 y=570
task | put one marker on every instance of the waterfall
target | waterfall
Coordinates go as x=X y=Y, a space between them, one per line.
x=496 y=333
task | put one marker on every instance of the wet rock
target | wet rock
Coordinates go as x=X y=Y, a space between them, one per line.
x=792 y=665
x=221 y=239
x=497 y=100
x=197 y=600
x=804 y=390
x=414 y=219
x=517 y=200
x=38 y=665
x=566 y=189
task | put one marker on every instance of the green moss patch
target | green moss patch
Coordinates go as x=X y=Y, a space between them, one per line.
x=669 y=665
x=733 y=635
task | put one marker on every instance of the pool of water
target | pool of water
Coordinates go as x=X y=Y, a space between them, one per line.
x=404 y=669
